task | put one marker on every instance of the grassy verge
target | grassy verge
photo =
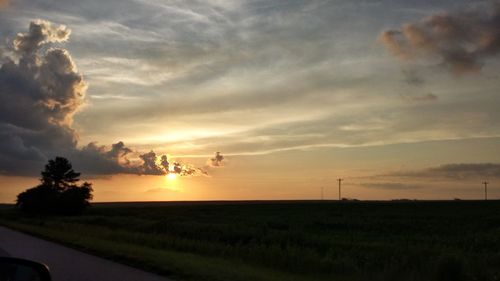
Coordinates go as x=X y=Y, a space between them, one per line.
x=174 y=264
x=295 y=241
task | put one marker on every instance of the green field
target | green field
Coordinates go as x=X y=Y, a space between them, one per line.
x=455 y=240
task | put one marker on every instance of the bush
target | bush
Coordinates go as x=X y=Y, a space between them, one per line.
x=37 y=199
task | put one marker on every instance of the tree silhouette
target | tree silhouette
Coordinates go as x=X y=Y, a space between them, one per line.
x=59 y=174
x=58 y=191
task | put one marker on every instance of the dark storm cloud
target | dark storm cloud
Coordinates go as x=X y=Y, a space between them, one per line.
x=462 y=41
x=40 y=91
x=39 y=94
x=456 y=171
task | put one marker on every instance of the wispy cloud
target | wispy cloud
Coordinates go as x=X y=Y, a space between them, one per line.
x=424 y=97
x=391 y=185
x=202 y=70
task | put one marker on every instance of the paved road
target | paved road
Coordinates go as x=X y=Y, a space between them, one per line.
x=67 y=264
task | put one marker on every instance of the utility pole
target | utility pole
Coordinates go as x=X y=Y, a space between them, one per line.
x=322 y=193
x=485 y=190
x=340 y=188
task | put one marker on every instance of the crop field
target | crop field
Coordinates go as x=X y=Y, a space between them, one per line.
x=287 y=240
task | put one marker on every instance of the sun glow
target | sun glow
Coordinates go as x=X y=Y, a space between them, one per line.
x=171 y=176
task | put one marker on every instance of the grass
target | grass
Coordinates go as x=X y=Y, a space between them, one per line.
x=457 y=240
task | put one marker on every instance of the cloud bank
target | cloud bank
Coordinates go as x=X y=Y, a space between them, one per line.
x=455 y=171
x=40 y=91
x=461 y=41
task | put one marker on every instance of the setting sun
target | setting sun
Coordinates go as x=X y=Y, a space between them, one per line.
x=171 y=176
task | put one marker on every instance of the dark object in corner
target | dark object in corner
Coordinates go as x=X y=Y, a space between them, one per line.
x=14 y=269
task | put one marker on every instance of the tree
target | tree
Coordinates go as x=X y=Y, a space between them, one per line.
x=59 y=174
x=58 y=191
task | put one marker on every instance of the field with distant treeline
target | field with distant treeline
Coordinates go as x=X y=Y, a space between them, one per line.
x=301 y=240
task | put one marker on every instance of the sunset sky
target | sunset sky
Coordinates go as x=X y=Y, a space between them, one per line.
x=398 y=98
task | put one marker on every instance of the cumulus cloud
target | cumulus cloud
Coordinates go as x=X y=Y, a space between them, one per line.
x=458 y=171
x=39 y=94
x=40 y=91
x=149 y=166
x=462 y=41
x=160 y=165
x=40 y=32
x=164 y=163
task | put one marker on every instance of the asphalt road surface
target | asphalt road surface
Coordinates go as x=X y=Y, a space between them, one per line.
x=67 y=264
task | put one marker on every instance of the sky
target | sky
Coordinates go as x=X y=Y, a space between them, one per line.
x=221 y=100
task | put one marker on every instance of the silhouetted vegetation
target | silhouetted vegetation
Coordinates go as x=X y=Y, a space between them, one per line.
x=431 y=241
x=58 y=191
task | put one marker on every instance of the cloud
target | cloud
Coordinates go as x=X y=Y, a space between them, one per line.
x=149 y=166
x=95 y=159
x=216 y=161
x=4 y=3
x=462 y=41
x=40 y=32
x=160 y=165
x=424 y=98
x=460 y=171
x=391 y=185
x=412 y=78
x=40 y=92
x=281 y=68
